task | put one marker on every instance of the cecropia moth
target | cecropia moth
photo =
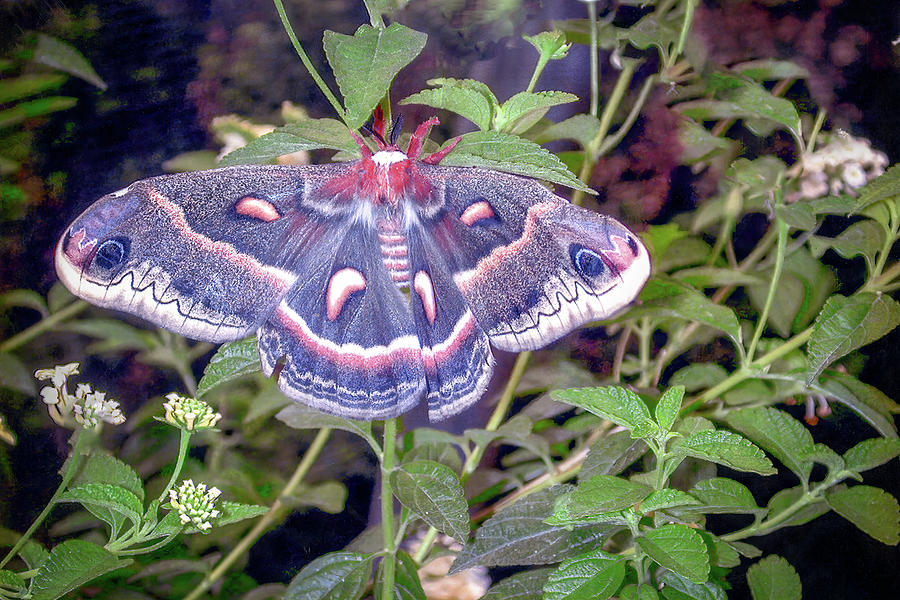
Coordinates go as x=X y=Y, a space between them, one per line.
x=373 y=284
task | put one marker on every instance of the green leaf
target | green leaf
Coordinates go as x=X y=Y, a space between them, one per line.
x=884 y=187
x=232 y=512
x=678 y=548
x=611 y=455
x=105 y=497
x=580 y=128
x=550 y=44
x=668 y=407
x=527 y=585
x=35 y=108
x=332 y=576
x=442 y=452
x=231 y=361
x=773 y=578
x=517 y=535
x=667 y=498
x=783 y=499
x=699 y=376
x=510 y=154
x=468 y=98
x=723 y=495
x=676 y=587
x=847 y=323
x=60 y=55
x=433 y=492
x=365 y=64
x=101 y=468
x=779 y=433
x=867 y=401
x=770 y=69
x=798 y=215
x=698 y=143
x=17 y=88
x=595 y=574
x=524 y=109
x=14 y=375
x=300 y=416
x=863 y=238
x=729 y=449
x=824 y=455
x=114 y=335
x=70 y=565
x=871 y=453
x=328 y=496
x=311 y=134
x=622 y=407
x=12 y=585
x=605 y=493
x=406 y=580
x=870 y=508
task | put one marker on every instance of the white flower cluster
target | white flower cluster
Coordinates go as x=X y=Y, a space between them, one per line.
x=843 y=165
x=88 y=407
x=189 y=413
x=195 y=504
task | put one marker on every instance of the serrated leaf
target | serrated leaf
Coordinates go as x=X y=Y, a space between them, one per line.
x=667 y=498
x=580 y=128
x=871 y=453
x=723 y=495
x=668 y=407
x=824 y=455
x=773 y=578
x=678 y=548
x=870 y=508
x=463 y=100
x=311 y=134
x=524 y=109
x=622 y=407
x=676 y=587
x=884 y=187
x=605 y=493
x=60 y=55
x=611 y=455
x=70 y=565
x=551 y=45
x=406 y=580
x=101 y=468
x=863 y=238
x=517 y=535
x=444 y=453
x=595 y=574
x=366 y=63
x=106 y=497
x=729 y=449
x=332 y=576
x=527 y=585
x=631 y=591
x=847 y=323
x=231 y=361
x=867 y=401
x=779 y=433
x=300 y=416
x=511 y=154
x=433 y=492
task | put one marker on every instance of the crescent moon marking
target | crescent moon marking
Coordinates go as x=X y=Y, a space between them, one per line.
x=341 y=286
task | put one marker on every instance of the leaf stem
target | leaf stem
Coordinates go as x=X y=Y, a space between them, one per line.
x=184 y=444
x=298 y=48
x=43 y=325
x=275 y=513
x=781 y=228
x=71 y=468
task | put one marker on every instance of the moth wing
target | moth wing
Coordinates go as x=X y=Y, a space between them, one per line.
x=531 y=266
x=344 y=333
x=205 y=254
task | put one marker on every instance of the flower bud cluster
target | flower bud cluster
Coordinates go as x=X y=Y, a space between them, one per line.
x=86 y=406
x=842 y=165
x=195 y=504
x=189 y=413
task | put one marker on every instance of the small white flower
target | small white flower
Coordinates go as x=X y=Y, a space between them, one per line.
x=189 y=413
x=843 y=165
x=58 y=374
x=195 y=504
x=94 y=407
x=51 y=395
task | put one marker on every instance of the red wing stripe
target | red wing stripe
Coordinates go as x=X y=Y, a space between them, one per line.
x=444 y=350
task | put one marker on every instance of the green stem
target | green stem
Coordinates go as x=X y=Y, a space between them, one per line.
x=71 y=469
x=595 y=63
x=388 y=460
x=298 y=48
x=781 y=229
x=275 y=514
x=184 y=444
x=689 y=6
x=375 y=18
x=770 y=524
x=889 y=239
x=25 y=336
x=613 y=140
x=817 y=127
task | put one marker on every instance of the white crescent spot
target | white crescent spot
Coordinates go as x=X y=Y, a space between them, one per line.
x=340 y=287
x=257 y=208
x=475 y=212
x=425 y=288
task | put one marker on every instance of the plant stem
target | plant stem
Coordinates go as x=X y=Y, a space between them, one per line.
x=595 y=67
x=388 y=459
x=184 y=444
x=43 y=325
x=782 y=232
x=274 y=515
x=71 y=468
x=332 y=99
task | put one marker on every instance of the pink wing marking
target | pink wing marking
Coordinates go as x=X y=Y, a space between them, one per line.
x=425 y=289
x=476 y=212
x=341 y=286
x=257 y=208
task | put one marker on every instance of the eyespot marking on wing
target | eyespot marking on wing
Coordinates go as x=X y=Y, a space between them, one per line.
x=257 y=208
x=425 y=289
x=112 y=252
x=479 y=211
x=586 y=261
x=342 y=284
